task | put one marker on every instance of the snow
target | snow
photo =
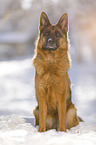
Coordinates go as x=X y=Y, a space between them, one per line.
x=14 y=37
x=16 y=131
x=17 y=101
x=16 y=87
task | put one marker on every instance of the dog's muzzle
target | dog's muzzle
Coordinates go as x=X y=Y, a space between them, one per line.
x=50 y=44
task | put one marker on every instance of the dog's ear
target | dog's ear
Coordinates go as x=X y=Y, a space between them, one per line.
x=63 y=22
x=44 y=21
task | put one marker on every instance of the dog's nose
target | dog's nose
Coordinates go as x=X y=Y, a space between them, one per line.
x=50 y=40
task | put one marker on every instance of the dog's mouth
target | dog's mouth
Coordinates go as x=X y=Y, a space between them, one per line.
x=50 y=46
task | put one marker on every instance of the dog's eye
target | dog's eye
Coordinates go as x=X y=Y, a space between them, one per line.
x=57 y=34
x=47 y=33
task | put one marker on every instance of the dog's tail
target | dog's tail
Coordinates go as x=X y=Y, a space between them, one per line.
x=80 y=119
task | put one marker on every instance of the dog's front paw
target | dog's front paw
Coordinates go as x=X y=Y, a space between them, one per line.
x=42 y=129
x=62 y=129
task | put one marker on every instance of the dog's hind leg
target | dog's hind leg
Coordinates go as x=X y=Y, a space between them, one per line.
x=71 y=117
x=36 y=114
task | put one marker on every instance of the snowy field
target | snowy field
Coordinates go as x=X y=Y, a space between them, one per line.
x=17 y=101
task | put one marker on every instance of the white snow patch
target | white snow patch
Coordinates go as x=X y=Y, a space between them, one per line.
x=18 y=132
x=17 y=87
x=14 y=37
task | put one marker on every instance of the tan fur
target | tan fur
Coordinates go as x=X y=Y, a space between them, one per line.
x=53 y=92
x=52 y=121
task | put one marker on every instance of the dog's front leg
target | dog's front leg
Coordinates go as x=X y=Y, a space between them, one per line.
x=42 y=114
x=62 y=113
x=63 y=92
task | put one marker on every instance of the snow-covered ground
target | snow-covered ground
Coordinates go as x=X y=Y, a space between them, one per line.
x=17 y=101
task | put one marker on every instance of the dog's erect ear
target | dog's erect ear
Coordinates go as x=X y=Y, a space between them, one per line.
x=44 y=21
x=63 y=22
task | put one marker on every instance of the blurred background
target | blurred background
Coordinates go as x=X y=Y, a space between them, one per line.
x=19 y=23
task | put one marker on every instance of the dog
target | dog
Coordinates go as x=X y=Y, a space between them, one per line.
x=55 y=109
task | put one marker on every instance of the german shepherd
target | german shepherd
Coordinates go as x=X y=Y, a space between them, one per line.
x=55 y=109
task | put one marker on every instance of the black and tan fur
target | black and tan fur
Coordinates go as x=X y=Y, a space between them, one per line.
x=55 y=109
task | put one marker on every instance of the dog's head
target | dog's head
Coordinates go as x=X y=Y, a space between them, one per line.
x=53 y=36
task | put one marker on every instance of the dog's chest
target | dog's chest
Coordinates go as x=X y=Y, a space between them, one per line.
x=51 y=98
x=52 y=83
